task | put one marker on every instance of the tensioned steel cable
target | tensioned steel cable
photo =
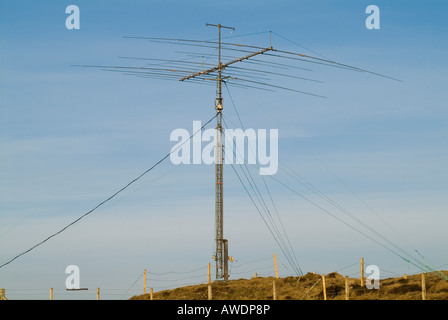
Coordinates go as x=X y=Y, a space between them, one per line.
x=342 y=209
x=259 y=197
x=349 y=225
x=372 y=210
x=261 y=215
x=272 y=227
x=312 y=188
x=421 y=266
x=109 y=198
x=132 y=285
x=345 y=211
x=289 y=249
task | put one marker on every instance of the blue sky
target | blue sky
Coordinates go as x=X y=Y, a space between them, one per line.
x=70 y=137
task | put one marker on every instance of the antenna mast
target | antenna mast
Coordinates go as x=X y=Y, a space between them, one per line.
x=221 y=255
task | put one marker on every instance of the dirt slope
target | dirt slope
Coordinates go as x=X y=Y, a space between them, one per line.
x=309 y=287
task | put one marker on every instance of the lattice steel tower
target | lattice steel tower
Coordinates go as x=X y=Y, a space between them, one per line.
x=221 y=253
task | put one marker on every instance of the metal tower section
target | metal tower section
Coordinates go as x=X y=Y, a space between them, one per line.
x=220 y=255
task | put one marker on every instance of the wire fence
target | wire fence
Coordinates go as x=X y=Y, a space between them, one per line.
x=311 y=284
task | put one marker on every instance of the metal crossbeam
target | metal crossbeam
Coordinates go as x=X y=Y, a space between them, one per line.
x=221 y=66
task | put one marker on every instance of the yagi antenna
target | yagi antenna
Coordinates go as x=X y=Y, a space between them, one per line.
x=241 y=77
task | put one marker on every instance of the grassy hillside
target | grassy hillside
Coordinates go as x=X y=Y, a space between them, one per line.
x=309 y=287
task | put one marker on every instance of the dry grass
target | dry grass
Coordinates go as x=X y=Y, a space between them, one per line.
x=309 y=287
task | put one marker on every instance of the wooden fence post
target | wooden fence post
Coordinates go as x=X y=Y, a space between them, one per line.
x=98 y=294
x=2 y=294
x=275 y=263
x=151 y=294
x=208 y=274
x=144 y=282
x=346 y=288
x=210 y=295
x=324 y=287
x=51 y=293
x=423 y=287
x=362 y=272
x=209 y=285
x=274 y=289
